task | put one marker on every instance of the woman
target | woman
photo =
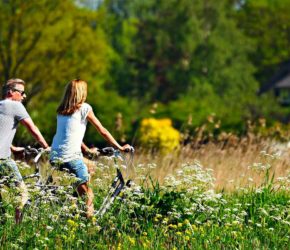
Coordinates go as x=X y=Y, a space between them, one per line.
x=73 y=114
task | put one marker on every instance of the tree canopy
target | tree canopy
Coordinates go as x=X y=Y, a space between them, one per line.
x=189 y=58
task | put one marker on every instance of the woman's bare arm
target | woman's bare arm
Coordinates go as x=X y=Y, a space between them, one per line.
x=104 y=132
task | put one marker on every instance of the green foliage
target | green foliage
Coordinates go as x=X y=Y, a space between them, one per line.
x=182 y=55
x=267 y=23
x=115 y=113
x=193 y=58
x=48 y=43
x=198 y=103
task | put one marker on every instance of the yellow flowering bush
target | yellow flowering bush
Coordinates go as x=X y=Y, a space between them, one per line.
x=159 y=134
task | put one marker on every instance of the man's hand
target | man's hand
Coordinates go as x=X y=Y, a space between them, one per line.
x=18 y=152
x=17 y=149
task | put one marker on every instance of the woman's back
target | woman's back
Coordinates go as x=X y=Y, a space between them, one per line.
x=69 y=135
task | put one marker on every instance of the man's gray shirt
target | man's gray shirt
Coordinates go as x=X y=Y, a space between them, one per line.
x=11 y=112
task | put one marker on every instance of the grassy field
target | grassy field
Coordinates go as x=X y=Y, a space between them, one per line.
x=208 y=197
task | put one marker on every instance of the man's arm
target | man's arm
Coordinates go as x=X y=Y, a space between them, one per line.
x=29 y=124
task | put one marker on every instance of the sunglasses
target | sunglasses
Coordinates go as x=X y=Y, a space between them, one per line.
x=21 y=92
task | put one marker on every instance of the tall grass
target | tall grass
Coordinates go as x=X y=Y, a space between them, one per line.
x=231 y=165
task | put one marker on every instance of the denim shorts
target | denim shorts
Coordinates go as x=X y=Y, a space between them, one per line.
x=8 y=167
x=78 y=168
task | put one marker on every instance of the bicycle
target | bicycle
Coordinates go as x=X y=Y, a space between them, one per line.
x=46 y=191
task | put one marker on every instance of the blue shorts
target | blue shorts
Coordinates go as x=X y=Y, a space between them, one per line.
x=9 y=168
x=78 y=168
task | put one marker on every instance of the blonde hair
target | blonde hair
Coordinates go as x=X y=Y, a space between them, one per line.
x=11 y=84
x=74 y=96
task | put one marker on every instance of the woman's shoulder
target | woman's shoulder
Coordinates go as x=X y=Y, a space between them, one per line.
x=85 y=109
x=86 y=106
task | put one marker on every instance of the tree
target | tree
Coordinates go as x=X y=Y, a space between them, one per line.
x=47 y=43
x=179 y=46
x=267 y=23
x=155 y=62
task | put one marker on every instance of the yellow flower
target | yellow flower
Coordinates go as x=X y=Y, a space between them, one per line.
x=179 y=224
x=71 y=223
x=165 y=220
x=172 y=226
x=186 y=238
x=94 y=219
x=131 y=240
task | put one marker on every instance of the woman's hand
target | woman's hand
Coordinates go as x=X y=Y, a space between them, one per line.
x=127 y=148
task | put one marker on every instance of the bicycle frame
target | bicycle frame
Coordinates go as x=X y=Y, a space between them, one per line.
x=117 y=186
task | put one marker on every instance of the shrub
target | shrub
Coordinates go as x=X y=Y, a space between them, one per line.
x=159 y=134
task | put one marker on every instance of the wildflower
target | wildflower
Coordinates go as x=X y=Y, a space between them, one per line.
x=234 y=234
x=71 y=223
x=172 y=226
x=165 y=221
x=49 y=228
x=131 y=240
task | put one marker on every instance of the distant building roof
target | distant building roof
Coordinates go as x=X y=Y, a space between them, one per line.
x=281 y=79
x=283 y=83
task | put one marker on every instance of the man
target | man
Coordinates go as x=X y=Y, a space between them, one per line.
x=13 y=112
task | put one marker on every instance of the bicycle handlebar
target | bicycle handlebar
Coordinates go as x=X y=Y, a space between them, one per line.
x=110 y=151
x=36 y=151
x=107 y=151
